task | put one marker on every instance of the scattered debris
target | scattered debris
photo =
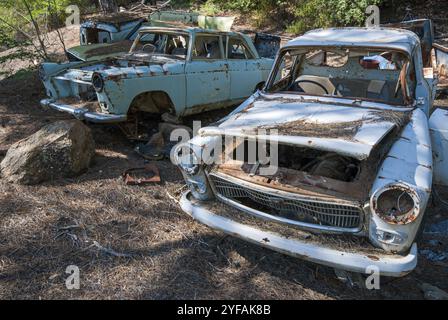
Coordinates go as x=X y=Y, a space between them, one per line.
x=108 y=251
x=154 y=149
x=159 y=145
x=345 y=277
x=137 y=176
x=431 y=292
x=170 y=118
x=60 y=149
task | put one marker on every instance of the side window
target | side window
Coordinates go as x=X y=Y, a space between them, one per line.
x=237 y=49
x=207 y=47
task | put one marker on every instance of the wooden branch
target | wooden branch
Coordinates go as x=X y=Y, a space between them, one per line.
x=110 y=251
x=58 y=32
x=25 y=34
x=36 y=27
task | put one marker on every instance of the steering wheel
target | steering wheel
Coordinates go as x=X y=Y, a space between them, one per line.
x=296 y=85
x=151 y=46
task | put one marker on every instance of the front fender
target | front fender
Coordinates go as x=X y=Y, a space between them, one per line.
x=120 y=90
x=408 y=163
x=47 y=70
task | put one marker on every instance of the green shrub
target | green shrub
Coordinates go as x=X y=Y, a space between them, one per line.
x=296 y=16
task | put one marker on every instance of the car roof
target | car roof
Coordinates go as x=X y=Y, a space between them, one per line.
x=374 y=37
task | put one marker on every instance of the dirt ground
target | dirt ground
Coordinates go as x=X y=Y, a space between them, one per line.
x=134 y=242
x=165 y=254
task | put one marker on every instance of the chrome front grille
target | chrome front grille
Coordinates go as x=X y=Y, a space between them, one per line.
x=307 y=212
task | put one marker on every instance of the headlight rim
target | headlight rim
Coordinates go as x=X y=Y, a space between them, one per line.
x=178 y=160
x=402 y=187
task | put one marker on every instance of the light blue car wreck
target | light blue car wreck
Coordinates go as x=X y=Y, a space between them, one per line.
x=353 y=144
x=181 y=71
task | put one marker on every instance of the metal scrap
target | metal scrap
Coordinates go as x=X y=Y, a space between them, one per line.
x=142 y=175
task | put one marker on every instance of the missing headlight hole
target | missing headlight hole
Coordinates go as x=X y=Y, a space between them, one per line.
x=395 y=206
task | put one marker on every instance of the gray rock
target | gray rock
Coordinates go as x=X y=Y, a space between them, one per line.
x=60 y=149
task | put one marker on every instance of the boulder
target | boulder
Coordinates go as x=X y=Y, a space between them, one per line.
x=60 y=149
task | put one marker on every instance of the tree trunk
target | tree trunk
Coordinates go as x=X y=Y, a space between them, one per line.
x=108 y=6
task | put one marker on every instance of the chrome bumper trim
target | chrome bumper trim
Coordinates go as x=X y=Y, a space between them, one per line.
x=388 y=265
x=83 y=114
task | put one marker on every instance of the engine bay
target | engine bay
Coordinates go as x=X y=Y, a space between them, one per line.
x=301 y=170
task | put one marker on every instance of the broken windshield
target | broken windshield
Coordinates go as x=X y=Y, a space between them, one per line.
x=355 y=73
x=148 y=43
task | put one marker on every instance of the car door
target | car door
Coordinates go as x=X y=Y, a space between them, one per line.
x=244 y=68
x=438 y=128
x=207 y=77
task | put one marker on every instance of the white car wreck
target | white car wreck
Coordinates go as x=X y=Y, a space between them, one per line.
x=347 y=118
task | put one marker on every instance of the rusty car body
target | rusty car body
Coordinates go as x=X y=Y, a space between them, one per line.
x=105 y=36
x=107 y=29
x=350 y=111
x=181 y=71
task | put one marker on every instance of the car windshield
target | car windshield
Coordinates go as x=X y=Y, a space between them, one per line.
x=361 y=74
x=148 y=43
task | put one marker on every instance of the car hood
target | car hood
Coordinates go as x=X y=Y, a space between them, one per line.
x=348 y=130
x=100 y=51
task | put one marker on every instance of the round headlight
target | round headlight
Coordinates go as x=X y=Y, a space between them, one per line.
x=97 y=82
x=42 y=73
x=396 y=204
x=186 y=159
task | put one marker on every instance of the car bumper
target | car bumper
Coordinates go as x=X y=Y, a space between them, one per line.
x=387 y=264
x=83 y=114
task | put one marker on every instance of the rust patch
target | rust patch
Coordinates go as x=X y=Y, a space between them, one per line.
x=346 y=130
x=390 y=209
x=341 y=130
x=142 y=175
x=294 y=181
